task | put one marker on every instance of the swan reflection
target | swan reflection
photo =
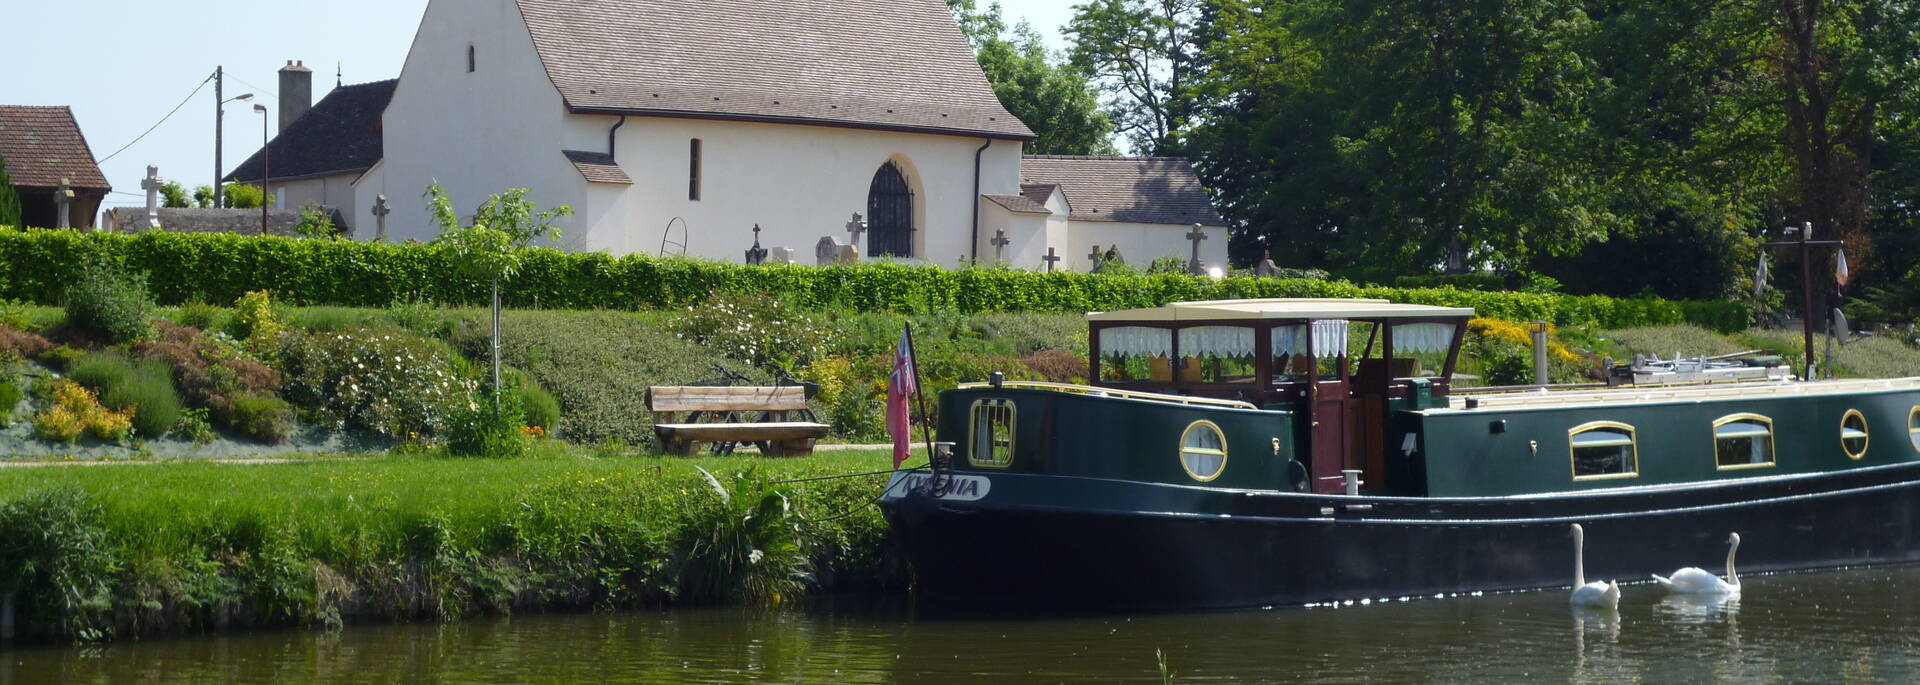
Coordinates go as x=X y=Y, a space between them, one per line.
x=1698 y=608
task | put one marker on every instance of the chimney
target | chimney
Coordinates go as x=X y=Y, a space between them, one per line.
x=296 y=92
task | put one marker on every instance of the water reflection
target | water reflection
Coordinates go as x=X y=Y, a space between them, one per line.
x=1852 y=626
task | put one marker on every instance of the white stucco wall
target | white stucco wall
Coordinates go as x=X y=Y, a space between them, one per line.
x=476 y=133
x=1140 y=244
x=798 y=183
x=334 y=191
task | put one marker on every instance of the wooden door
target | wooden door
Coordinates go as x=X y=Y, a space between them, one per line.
x=1329 y=436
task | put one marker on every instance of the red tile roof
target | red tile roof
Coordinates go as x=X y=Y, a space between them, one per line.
x=887 y=64
x=43 y=145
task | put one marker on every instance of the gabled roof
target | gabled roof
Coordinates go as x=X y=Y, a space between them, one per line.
x=1039 y=193
x=884 y=64
x=43 y=145
x=1147 y=190
x=340 y=135
x=1020 y=204
x=597 y=167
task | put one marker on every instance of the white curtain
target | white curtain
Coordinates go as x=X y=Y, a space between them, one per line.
x=1216 y=341
x=1136 y=341
x=1422 y=337
x=1289 y=340
x=1330 y=338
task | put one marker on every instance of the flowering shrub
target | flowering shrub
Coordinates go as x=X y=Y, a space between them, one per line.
x=16 y=344
x=214 y=372
x=758 y=329
x=75 y=410
x=388 y=383
x=254 y=319
x=1503 y=351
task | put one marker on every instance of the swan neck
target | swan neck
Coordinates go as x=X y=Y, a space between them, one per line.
x=1733 y=576
x=1579 y=558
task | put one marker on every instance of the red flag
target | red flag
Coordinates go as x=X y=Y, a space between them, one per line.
x=901 y=385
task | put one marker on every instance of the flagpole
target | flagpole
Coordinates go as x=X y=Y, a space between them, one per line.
x=919 y=397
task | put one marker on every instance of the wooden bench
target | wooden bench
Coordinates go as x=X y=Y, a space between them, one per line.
x=685 y=416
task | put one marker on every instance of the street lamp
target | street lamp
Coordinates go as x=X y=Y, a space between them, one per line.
x=219 y=126
x=266 y=167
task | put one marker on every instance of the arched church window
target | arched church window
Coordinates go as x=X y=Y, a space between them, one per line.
x=889 y=214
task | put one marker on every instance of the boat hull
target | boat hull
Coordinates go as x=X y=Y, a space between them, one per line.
x=1023 y=539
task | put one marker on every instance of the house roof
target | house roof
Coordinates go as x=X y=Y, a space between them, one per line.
x=598 y=167
x=340 y=135
x=1039 y=193
x=885 y=64
x=1147 y=190
x=1018 y=203
x=43 y=145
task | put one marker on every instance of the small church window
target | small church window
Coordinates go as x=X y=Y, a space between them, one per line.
x=470 y=58
x=693 y=170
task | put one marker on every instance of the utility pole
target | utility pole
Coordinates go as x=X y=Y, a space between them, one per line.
x=219 y=112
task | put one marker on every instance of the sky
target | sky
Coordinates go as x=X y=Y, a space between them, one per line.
x=137 y=60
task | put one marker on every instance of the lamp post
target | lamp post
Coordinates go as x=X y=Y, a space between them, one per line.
x=266 y=167
x=219 y=128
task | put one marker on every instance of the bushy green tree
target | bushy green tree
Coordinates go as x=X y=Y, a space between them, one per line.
x=9 y=200
x=203 y=196
x=173 y=195
x=1051 y=97
x=243 y=196
x=1144 y=54
x=315 y=222
x=490 y=248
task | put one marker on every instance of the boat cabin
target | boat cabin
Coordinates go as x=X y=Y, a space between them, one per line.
x=1343 y=365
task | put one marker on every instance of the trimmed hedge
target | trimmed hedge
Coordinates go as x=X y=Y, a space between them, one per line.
x=36 y=265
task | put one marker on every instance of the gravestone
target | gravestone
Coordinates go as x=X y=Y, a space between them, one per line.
x=856 y=227
x=63 y=204
x=152 y=184
x=1094 y=257
x=756 y=255
x=1266 y=268
x=1050 y=259
x=380 y=211
x=827 y=251
x=1000 y=243
x=780 y=255
x=1193 y=265
x=849 y=255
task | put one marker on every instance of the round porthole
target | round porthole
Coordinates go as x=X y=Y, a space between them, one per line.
x=1913 y=427
x=1203 y=451
x=1853 y=434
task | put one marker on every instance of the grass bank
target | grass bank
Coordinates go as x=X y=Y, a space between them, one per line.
x=119 y=551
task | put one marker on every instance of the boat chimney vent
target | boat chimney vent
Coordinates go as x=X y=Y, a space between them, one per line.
x=996 y=379
x=1353 y=481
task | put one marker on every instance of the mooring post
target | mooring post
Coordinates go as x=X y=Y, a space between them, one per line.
x=1540 y=353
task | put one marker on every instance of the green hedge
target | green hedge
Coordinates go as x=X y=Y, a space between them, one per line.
x=36 y=265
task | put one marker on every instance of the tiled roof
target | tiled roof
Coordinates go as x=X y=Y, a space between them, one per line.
x=889 y=64
x=1018 y=203
x=1147 y=190
x=340 y=135
x=1038 y=192
x=43 y=145
x=598 y=167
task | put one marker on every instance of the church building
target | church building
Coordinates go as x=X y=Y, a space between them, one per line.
x=681 y=126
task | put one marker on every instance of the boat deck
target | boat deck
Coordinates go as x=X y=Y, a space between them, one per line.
x=1677 y=394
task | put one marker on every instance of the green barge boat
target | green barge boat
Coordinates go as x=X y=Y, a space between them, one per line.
x=1260 y=452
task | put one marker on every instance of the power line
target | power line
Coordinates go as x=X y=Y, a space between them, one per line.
x=269 y=93
x=176 y=109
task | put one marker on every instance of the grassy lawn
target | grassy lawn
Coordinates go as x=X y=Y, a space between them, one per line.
x=97 y=551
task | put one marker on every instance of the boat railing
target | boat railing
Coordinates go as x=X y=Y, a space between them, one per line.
x=1114 y=392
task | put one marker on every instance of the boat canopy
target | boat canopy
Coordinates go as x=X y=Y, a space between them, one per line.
x=1283 y=308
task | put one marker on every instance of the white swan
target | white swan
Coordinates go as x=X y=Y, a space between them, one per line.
x=1595 y=594
x=1695 y=581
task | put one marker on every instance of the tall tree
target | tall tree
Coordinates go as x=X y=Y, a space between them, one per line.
x=1143 y=54
x=1051 y=97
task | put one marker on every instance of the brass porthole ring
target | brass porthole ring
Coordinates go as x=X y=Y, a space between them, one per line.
x=1849 y=421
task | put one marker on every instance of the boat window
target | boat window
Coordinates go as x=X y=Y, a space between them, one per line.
x=1913 y=427
x=1203 y=451
x=1136 y=353
x=1421 y=348
x=1853 y=434
x=1604 y=449
x=1743 y=441
x=1337 y=340
x=992 y=439
x=1290 y=362
x=1216 y=354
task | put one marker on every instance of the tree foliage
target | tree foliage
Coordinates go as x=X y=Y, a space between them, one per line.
x=173 y=195
x=9 y=200
x=1144 y=55
x=1051 y=97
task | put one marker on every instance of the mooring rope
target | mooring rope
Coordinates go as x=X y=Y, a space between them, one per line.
x=860 y=506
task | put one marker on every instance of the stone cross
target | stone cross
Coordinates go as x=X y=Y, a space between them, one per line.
x=380 y=211
x=1050 y=259
x=1194 y=266
x=1266 y=268
x=1094 y=257
x=756 y=255
x=63 y=202
x=152 y=184
x=999 y=243
x=856 y=227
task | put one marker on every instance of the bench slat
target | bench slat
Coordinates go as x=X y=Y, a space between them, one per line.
x=736 y=398
x=713 y=432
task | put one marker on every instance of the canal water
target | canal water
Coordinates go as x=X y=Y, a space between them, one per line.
x=1859 y=625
